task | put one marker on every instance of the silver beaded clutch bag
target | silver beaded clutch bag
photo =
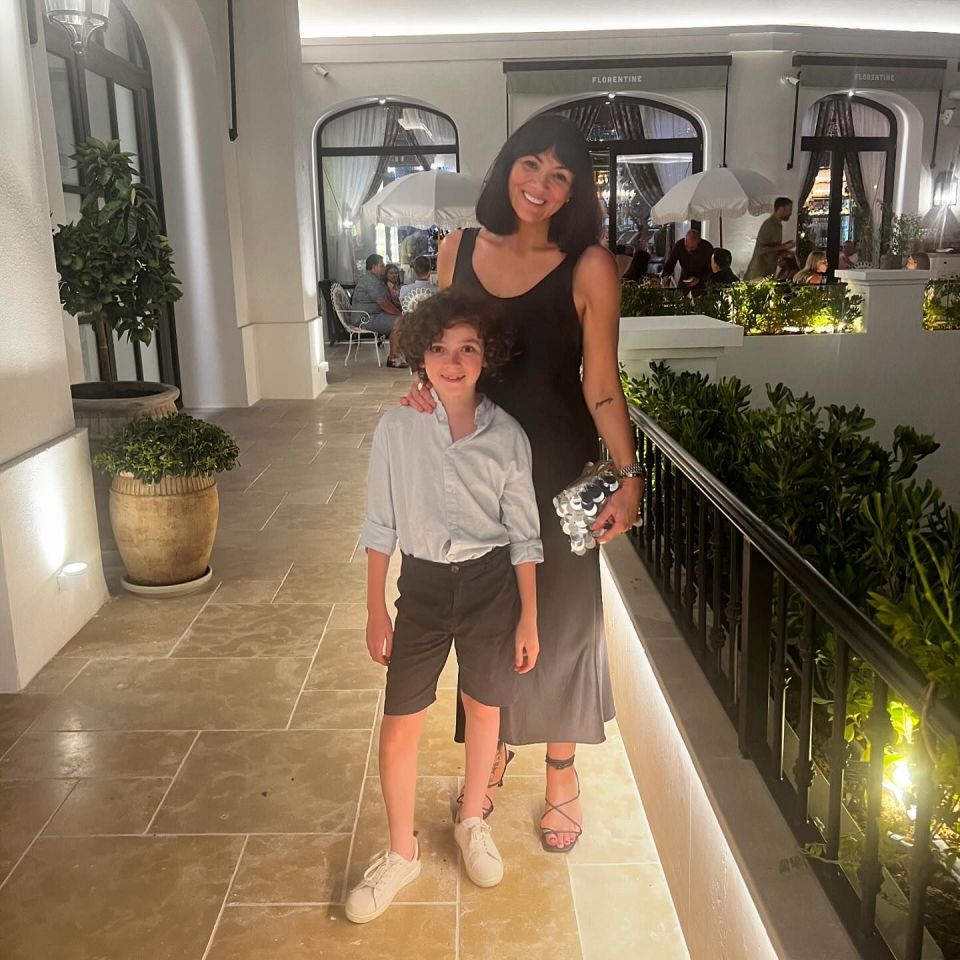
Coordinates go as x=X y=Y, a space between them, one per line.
x=579 y=504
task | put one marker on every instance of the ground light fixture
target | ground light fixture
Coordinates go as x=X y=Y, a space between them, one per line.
x=71 y=574
x=80 y=18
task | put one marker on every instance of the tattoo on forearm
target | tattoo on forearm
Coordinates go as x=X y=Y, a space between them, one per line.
x=603 y=403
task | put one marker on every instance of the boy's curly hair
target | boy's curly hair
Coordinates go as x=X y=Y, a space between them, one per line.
x=424 y=326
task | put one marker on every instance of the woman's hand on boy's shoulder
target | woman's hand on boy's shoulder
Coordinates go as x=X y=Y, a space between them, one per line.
x=379 y=637
x=527 y=645
x=420 y=398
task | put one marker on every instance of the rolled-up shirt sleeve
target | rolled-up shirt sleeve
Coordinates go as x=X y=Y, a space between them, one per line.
x=380 y=527
x=518 y=506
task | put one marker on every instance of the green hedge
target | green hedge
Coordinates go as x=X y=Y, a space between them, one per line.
x=853 y=508
x=941 y=304
x=766 y=307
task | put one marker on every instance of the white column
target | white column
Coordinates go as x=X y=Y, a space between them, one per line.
x=47 y=516
x=276 y=201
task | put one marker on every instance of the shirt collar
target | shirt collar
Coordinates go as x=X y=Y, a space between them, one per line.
x=482 y=416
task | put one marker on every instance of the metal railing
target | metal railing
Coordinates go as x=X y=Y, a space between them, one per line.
x=781 y=646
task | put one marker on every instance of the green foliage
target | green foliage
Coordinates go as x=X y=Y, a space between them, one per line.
x=173 y=446
x=116 y=267
x=900 y=234
x=941 y=304
x=766 y=307
x=854 y=510
x=652 y=300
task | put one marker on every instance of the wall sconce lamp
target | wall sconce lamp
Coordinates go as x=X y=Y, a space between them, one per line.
x=946 y=189
x=80 y=18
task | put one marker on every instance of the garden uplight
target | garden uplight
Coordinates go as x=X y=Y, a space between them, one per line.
x=71 y=574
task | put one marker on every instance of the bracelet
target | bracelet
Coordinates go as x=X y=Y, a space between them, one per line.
x=634 y=469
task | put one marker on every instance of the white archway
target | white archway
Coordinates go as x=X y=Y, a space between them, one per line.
x=191 y=125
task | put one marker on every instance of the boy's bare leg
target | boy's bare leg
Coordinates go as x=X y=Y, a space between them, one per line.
x=481 y=736
x=399 y=738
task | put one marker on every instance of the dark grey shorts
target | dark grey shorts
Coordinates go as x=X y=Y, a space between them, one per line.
x=474 y=604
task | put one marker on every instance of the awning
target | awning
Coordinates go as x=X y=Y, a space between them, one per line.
x=616 y=75
x=870 y=73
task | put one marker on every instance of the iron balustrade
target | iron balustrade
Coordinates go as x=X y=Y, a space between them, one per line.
x=763 y=623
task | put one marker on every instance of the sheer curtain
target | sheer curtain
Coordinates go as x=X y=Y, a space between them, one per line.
x=347 y=181
x=868 y=122
x=662 y=125
x=814 y=124
x=439 y=129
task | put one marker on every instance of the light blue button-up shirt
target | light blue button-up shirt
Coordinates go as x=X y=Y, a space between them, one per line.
x=449 y=501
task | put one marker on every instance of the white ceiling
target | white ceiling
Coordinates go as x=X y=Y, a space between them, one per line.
x=328 y=19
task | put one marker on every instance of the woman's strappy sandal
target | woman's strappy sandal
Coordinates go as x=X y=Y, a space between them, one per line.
x=577 y=829
x=488 y=803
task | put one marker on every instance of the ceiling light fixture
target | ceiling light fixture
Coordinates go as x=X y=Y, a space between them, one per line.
x=80 y=18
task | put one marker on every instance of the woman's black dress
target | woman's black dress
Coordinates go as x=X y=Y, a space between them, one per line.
x=566 y=697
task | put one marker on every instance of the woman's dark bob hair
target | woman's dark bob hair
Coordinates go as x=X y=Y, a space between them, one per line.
x=424 y=326
x=577 y=224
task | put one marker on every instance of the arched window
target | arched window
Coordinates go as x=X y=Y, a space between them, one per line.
x=640 y=149
x=107 y=93
x=359 y=151
x=850 y=151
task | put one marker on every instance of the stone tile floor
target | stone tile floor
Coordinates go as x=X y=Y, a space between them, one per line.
x=196 y=778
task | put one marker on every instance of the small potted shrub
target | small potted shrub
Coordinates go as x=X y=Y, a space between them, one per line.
x=164 y=504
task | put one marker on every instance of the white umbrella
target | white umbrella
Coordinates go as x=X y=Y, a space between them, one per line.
x=423 y=199
x=723 y=191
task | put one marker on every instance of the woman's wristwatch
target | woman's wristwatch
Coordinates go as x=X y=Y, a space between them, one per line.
x=634 y=469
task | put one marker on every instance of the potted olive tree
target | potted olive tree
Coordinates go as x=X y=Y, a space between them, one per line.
x=164 y=504
x=116 y=274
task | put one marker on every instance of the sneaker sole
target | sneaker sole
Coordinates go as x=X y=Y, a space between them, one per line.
x=366 y=918
x=488 y=884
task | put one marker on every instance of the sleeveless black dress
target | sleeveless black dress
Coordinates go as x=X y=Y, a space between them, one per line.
x=567 y=696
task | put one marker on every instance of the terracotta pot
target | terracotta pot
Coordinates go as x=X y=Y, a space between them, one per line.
x=164 y=531
x=103 y=407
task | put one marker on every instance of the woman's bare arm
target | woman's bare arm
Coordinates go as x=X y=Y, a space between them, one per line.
x=596 y=291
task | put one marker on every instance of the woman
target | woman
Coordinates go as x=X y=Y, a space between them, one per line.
x=918 y=261
x=787 y=267
x=814 y=270
x=537 y=256
x=637 y=271
x=392 y=280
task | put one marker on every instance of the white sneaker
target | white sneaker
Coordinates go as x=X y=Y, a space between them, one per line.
x=386 y=876
x=480 y=854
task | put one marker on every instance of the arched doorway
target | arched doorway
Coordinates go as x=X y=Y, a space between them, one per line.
x=640 y=149
x=359 y=151
x=107 y=93
x=850 y=150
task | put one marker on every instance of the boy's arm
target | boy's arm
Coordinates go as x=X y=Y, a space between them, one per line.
x=379 y=538
x=518 y=506
x=379 y=627
x=527 y=646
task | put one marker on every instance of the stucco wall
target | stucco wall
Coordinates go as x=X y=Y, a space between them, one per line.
x=463 y=77
x=46 y=499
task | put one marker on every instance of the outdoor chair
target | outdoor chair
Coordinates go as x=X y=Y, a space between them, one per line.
x=354 y=322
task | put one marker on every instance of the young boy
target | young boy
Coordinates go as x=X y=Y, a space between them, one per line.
x=454 y=489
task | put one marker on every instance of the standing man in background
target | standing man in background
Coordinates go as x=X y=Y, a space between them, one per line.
x=770 y=243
